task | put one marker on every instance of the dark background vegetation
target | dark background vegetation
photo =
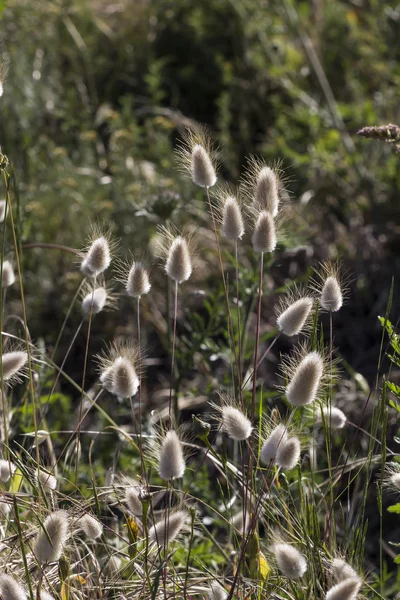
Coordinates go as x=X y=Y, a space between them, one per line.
x=96 y=96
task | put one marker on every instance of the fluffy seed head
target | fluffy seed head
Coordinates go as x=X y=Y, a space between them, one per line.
x=125 y=382
x=167 y=528
x=171 y=462
x=45 y=595
x=5 y=508
x=10 y=589
x=272 y=443
x=13 y=363
x=292 y=320
x=8 y=276
x=94 y=301
x=50 y=543
x=3 y=205
x=202 y=169
x=90 y=526
x=341 y=570
x=235 y=423
x=137 y=283
x=290 y=561
x=345 y=590
x=217 y=592
x=266 y=191
x=133 y=501
x=395 y=480
x=119 y=369
x=304 y=385
x=232 y=220
x=264 y=234
x=179 y=265
x=46 y=479
x=331 y=295
x=6 y=469
x=334 y=417
x=288 y=453
x=97 y=258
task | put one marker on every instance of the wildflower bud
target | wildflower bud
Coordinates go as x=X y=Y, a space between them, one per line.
x=290 y=561
x=291 y=321
x=303 y=387
x=51 y=540
x=235 y=423
x=166 y=530
x=217 y=592
x=334 y=417
x=137 y=283
x=171 y=462
x=331 y=295
x=341 y=570
x=94 y=301
x=6 y=469
x=3 y=206
x=288 y=453
x=232 y=220
x=10 y=589
x=346 y=590
x=264 y=234
x=98 y=257
x=90 y=526
x=132 y=500
x=13 y=362
x=203 y=172
x=178 y=265
x=8 y=276
x=124 y=377
x=266 y=191
x=47 y=480
x=272 y=443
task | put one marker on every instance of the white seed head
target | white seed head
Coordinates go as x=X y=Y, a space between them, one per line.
x=290 y=561
x=288 y=453
x=331 y=295
x=232 y=220
x=272 y=443
x=45 y=595
x=264 y=234
x=46 y=479
x=137 y=283
x=11 y=589
x=5 y=508
x=394 y=480
x=341 y=570
x=167 y=528
x=6 y=469
x=292 y=320
x=202 y=169
x=97 y=258
x=120 y=378
x=94 y=301
x=13 y=362
x=235 y=423
x=178 y=265
x=8 y=276
x=217 y=592
x=171 y=462
x=334 y=417
x=345 y=590
x=304 y=385
x=266 y=195
x=90 y=526
x=50 y=543
x=133 y=501
x=3 y=205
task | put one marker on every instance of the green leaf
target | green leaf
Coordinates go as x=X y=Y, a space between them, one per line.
x=395 y=508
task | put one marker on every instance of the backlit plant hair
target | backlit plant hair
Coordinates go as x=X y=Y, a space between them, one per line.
x=52 y=537
x=119 y=369
x=168 y=527
x=341 y=570
x=197 y=156
x=332 y=416
x=3 y=206
x=90 y=526
x=345 y=590
x=306 y=375
x=331 y=285
x=294 y=311
x=229 y=213
x=264 y=237
x=96 y=298
x=272 y=442
x=170 y=456
x=217 y=592
x=7 y=469
x=13 y=366
x=176 y=249
x=96 y=258
x=45 y=479
x=288 y=453
x=291 y=563
x=8 y=275
x=391 y=479
x=233 y=420
x=10 y=589
x=135 y=278
x=262 y=185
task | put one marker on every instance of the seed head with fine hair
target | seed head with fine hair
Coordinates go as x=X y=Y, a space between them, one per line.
x=264 y=233
x=290 y=561
x=171 y=461
x=52 y=537
x=345 y=590
x=10 y=589
x=168 y=527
